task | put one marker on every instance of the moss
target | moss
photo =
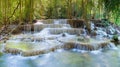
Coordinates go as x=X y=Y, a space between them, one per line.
x=1 y=54
x=115 y=38
x=21 y=46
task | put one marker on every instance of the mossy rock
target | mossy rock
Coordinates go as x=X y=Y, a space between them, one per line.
x=115 y=38
x=91 y=44
x=101 y=23
x=30 y=49
x=1 y=54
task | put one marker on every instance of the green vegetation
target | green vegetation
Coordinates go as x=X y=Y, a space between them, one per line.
x=20 y=45
x=15 y=11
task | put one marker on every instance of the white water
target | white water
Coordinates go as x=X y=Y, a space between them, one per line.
x=112 y=46
x=76 y=57
x=43 y=31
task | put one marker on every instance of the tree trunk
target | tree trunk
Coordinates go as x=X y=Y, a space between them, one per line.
x=84 y=15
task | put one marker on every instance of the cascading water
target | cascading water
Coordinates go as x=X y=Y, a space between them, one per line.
x=60 y=21
x=92 y=26
x=27 y=28
x=37 y=27
x=59 y=42
x=112 y=46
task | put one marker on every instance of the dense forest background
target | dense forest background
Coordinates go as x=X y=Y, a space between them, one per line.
x=15 y=11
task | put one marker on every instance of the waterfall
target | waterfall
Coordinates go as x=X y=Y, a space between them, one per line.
x=27 y=28
x=56 y=21
x=60 y=21
x=60 y=32
x=92 y=26
x=37 y=26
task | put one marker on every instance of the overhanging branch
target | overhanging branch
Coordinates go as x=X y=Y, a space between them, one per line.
x=14 y=11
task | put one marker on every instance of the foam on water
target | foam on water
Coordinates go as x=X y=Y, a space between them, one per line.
x=96 y=51
x=112 y=46
x=38 y=23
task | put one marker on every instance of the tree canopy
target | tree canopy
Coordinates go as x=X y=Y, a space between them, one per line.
x=26 y=10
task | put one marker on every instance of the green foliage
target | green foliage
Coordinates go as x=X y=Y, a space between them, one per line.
x=112 y=9
x=115 y=38
x=44 y=9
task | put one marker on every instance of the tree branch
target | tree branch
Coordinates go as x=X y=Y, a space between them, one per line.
x=14 y=11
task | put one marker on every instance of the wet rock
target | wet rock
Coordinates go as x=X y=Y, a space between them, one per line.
x=17 y=31
x=110 y=30
x=95 y=28
x=116 y=38
x=54 y=48
x=101 y=33
x=100 y=23
x=87 y=47
x=34 y=21
x=77 y=23
x=93 y=33
x=12 y=50
x=37 y=39
x=78 y=34
x=81 y=39
x=69 y=45
x=68 y=30
x=119 y=39
x=37 y=52
x=80 y=46
x=63 y=35
x=102 y=45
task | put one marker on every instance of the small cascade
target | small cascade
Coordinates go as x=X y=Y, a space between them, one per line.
x=3 y=48
x=92 y=26
x=37 y=28
x=84 y=32
x=110 y=30
x=56 y=22
x=27 y=28
x=111 y=46
x=99 y=33
x=60 y=21
x=66 y=26
x=48 y=37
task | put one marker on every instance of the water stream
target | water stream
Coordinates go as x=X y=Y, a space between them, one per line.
x=109 y=58
x=48 y=42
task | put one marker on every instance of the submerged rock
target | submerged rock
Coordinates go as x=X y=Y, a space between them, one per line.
x=63 y=35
